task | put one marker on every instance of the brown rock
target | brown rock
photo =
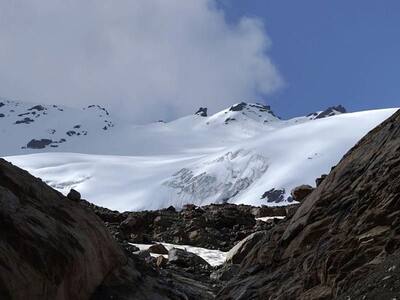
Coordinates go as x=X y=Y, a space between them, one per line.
x=342 y=240
x=161 y=261
x=50 y=246
x=158 y=249
x=241 y=249
x=301 y=192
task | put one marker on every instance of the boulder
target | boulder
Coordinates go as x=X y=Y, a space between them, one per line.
x=158 y=249
x=186 y=259
x=161 y=261
x=301 y=192
x=50 y=248
x=74 y=195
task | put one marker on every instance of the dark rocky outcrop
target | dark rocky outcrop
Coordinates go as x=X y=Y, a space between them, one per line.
x=37 y=107
x=243 y=248
x=301 y=192
x=50 y=248
x=74 y=195
x=215 y=226
x=24 y=121
x=186 y=259
x=158 y=249
x=320 y=179
x=38 y=144
x=343 y=241
x=55 y=248
x=202 y=112
x=331 y=111
x=276 y=196
x=238 y=107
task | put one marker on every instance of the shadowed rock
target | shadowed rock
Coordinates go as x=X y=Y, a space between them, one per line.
x=38 y=144
x=343 y=242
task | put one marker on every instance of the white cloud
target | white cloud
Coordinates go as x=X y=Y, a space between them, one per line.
x=147 y=58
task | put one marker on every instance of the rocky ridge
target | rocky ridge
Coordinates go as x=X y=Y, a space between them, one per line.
x=215 y=226
x=343 y=242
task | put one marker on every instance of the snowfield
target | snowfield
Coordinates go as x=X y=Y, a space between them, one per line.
x=242 y=154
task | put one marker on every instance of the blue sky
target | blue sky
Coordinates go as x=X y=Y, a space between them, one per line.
x=330 y=52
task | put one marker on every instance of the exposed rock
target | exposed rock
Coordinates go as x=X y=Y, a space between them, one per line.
x=274 y=195
x=71 y=132
x=202 y=111
x=130 y=248
x=342 y=239
x=215 y=226
x=50 y=246
x=225 y=273
x=130 y=223
x=301 y=192
x=161 y=261
x=144 y=254
x=186 y=259
x=74 y=195
x=54 y=248
x=37 y=107
x=38 y=144
x=227 y=120
x=158 y=249
x=320 y=179
x=238 y=107
x=242 y=249
x=24 y=121
x=331 y=111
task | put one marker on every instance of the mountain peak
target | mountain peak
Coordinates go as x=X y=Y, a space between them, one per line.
x=330 y=111
x=202 y=112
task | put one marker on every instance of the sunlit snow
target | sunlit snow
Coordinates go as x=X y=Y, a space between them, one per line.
x=194 y=159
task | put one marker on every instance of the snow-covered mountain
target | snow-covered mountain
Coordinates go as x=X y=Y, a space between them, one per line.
x=243 y=154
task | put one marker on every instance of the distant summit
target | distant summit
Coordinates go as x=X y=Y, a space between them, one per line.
x=202 y=112
x=329 y=112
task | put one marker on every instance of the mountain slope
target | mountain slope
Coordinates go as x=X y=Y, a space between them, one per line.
x=244 y=154
x=343 y=242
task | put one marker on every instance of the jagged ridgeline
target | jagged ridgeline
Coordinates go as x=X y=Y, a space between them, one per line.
x=242 y=154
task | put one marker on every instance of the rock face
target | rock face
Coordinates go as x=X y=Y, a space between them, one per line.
x=329 y=112
x=344 y=239
x=38 y=144
x=202 y=111
x=243 y=248
x=54 y=248
x=49 y=245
